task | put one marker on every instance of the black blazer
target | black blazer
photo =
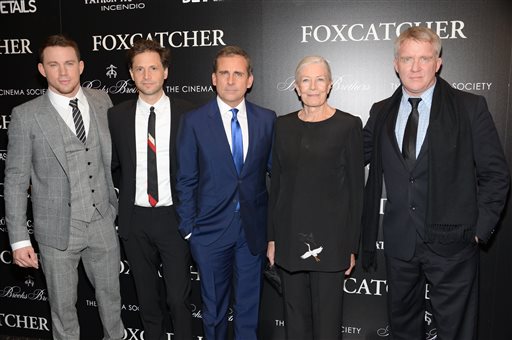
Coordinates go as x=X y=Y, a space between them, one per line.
x=411 y=191
x=121 y=119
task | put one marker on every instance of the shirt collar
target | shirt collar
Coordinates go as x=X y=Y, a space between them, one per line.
x=426 y=97
x=224 y=108
x=63 y=101
x=159 y=105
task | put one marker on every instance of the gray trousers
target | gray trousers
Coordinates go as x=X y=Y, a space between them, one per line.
x=97 y=245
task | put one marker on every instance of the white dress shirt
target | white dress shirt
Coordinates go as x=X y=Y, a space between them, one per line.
x=227 y=115
x=162 y=136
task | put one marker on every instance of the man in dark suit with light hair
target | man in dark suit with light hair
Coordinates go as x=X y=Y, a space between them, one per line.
x=224 y=154
x=446 y=178
x=143 y=154
x=59 y=148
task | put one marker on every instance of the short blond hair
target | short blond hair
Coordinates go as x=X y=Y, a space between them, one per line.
x=419 y=33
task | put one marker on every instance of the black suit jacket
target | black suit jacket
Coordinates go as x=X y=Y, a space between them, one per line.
x=406 y=211
x=121 y=120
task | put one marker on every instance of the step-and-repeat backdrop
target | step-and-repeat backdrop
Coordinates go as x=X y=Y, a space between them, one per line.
x=355 y=36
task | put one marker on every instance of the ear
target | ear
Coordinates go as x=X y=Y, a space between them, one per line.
x=395 y=64
x=131 y=73
x=81 y=66
x=439 y=62
x=296 y=89
x=41 y=70
x=250 y=80
x=166 y=72
x=214 y=79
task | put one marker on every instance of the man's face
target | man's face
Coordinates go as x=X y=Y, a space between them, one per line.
x=62 y=69
x=232 y=79
x=417 y=66
x=149 y=75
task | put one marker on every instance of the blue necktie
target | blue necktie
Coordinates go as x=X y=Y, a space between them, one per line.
x=237 y=146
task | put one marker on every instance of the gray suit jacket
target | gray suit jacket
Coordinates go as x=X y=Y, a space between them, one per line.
x=36 y=158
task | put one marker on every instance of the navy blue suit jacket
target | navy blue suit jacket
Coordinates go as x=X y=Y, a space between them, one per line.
x=208 y=185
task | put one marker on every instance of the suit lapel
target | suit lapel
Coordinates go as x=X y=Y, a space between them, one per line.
x=251 y=125
x=101 y=124
x=391 y=123
x=47 y=118
x=130 y=133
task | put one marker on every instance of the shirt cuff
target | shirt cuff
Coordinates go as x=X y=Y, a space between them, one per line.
x=188 y=236
x=21 y=244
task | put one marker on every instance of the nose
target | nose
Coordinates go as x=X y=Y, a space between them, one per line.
x=231 y=78
x=62 y=70
x=416 y=65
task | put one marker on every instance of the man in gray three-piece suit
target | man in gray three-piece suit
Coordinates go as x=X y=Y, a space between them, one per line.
x=59 y=148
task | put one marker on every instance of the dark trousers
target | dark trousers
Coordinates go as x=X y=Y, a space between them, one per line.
x=453 y=293
x=227 y=266
x=155 y=240
x=313 y=304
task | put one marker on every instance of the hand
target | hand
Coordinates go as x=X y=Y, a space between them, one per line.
x=271 y=251
x=352 y=264
x=25 y=257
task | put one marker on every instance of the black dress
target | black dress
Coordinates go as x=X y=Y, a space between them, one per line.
x=316 y=192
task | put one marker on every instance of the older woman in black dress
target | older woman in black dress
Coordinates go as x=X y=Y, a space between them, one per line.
x=315 y=204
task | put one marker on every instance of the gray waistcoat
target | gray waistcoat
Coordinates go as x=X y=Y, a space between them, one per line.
x=89 y=190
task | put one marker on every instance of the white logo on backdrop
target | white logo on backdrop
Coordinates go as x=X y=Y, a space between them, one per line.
x=123 y=86
x=345 y=82
x=22 y=92
x=17 y=6
x=373 y=287
x=111 y=71
x=24 y=321
x=350 y=330
x=383 y=332
x=377 y=31
x=15 y=46
x=117 y=5
x=199 y=1
x=472 y=86
x=16 y=292
x=175 y=39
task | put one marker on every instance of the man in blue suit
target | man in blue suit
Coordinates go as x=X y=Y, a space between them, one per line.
x=224 y=153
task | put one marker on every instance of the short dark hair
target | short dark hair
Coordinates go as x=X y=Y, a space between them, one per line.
x=58 y=40
x=147 y=45
x=229 y=51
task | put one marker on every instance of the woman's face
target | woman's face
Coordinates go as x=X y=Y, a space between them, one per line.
x=313 y=84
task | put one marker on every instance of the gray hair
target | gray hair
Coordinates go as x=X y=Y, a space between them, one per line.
x=313 y=59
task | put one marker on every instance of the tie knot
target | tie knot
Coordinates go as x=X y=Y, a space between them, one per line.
x=152 y=109
x=234 y=111
x=414 y=102
x=73 y=103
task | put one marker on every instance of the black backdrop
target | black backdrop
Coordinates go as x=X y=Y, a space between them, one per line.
x=355 y=36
